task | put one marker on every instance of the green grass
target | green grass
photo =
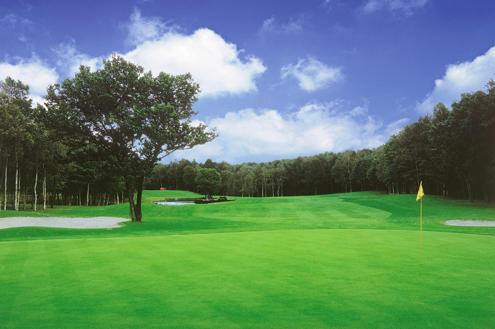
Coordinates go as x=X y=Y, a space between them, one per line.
x=335 y=261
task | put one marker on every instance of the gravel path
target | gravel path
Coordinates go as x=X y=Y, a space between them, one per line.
x=63 y=222
x=464 y=222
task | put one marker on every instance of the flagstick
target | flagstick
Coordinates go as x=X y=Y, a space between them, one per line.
x=421 y=233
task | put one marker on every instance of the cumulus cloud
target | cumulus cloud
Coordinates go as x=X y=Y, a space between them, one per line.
x=269 y=134
x=406 y=6
x=214 y=63
x=312 y=74
x=459 y=79
x=32 y=72
x=69 y=59
x=142 y=29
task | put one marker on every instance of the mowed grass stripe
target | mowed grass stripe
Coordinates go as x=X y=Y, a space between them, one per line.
x=353 y=210
x=285 y=279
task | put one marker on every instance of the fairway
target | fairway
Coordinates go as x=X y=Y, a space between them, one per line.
x=339 y=261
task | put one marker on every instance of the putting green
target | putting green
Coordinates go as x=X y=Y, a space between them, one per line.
x=319 y=278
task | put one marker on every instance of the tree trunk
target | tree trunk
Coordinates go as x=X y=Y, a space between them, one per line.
x=24 y=198
x=44 y=191
x=468 y=186
x=5 y=187
x=132 y=210
x=16 y=186
x=139 y=214
x=135 y=209
x=87 y=196
x=35 y=193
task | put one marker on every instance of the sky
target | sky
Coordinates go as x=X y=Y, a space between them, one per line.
x=279 y=79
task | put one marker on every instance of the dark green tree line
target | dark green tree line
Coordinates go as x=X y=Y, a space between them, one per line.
x=104 y=132
x=451 y=151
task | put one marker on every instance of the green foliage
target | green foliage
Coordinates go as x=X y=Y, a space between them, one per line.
x=136 y=118
x=208 y=181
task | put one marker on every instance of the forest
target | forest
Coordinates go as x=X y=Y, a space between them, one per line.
x=451 y=151
x=48 y=158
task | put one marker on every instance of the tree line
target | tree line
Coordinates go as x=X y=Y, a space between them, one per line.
x=451 y=151
x=96 y=137
x=99 y=137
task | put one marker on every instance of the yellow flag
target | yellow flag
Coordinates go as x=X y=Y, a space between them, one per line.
x=420 y=191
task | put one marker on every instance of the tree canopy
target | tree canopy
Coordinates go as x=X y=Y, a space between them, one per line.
x=208 y=181
x=103 y=133
x=134 y=117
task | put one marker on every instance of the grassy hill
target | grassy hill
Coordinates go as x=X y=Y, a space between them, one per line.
x=345 y=261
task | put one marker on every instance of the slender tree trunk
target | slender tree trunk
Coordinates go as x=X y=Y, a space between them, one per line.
x=469 y=189
x=1 y=188
x=34 y=190
x=5 y=187
x=16 y=186
x=132 y=209
x=87 y=196
x=44 y=191
x=24 y=198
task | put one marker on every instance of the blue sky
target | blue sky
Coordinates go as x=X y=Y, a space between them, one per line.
x=279 y=78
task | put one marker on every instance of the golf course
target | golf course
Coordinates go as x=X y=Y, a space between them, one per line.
x=329 y=261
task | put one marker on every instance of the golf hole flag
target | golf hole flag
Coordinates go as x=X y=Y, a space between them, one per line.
x=420 y=191
x=420 y=197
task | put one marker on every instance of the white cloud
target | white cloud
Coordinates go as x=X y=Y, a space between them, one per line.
x=32 y=72
x=406 y=6
x=271 y=26
x=459 y=79
x=141 y=29
x=69 y=59
x=312 y=74
x=11 y=20
x=269 y=134
x=213 y=63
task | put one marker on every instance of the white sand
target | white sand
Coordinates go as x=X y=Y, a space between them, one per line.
x=464 y=222
x=63 y=222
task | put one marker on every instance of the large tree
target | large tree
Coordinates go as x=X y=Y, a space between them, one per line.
x=136 y=117
x=208 y=181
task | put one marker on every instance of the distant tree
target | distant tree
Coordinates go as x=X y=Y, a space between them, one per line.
x=472 y=121
x=157 y=177
x=189 y=177
x=342 y=170
x=15 y=123
x=209 y=164
x=208 y=181
x=133 y=116
x=228 y=182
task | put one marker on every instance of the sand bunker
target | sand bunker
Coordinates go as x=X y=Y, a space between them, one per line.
x=62 y=222
x=465 y=222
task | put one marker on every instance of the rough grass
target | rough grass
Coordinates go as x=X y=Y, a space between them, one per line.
x=339 y=261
